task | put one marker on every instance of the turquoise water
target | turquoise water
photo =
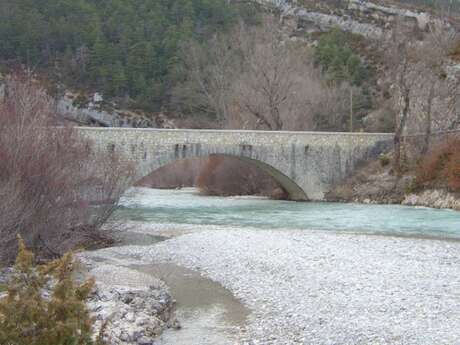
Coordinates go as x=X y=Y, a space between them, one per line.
x=186 y=207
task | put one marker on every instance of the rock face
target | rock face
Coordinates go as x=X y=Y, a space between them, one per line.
x=93 y=113
x=323 y=22
x=445 y=105
x=360 y=17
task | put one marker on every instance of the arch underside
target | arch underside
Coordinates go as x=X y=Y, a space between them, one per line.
x=294 y=191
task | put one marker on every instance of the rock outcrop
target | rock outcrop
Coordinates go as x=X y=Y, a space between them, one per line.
x=361 y=17
x=93 y=114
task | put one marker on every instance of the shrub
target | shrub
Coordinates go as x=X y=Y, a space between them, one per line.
x=452 y=169
x=49 y=177
x=29 y=317
x=441 y=166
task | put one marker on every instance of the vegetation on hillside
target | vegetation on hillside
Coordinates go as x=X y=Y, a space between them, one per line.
x=255 y=78
x=123 y=48
x=44 y=305
x=337 y=59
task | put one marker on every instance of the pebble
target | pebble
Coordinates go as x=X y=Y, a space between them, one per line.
x=318 y=288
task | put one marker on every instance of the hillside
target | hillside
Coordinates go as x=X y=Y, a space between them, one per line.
x=125 y=49
x=156 y=63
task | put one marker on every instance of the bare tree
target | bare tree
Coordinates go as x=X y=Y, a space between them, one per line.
x=49 y=177
x=210 y=74
x=399 y=60
x=255 y=78
x=266 y=88
x=416 y=64
x=431 y=58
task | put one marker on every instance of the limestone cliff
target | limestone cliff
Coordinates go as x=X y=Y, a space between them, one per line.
x=366 y=18
x=95 y=112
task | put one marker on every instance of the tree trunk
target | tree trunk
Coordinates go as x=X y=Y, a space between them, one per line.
x=427 y=137
x=400 y=129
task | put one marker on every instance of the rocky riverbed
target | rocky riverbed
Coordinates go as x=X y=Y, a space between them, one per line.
x=131 y=307
x=312 y=287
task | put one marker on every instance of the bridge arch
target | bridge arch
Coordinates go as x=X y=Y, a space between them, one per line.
x=307 y=164
x=293 y=190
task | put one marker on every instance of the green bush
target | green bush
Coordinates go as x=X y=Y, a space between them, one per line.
x=29 y=317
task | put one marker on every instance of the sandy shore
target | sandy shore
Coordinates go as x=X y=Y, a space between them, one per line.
x=309 y=287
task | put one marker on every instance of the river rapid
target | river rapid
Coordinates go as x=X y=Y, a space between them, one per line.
x=248 y=270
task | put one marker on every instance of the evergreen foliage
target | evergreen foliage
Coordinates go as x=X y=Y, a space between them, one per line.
x=121 y=47
x=28 y=317
x=338 y=60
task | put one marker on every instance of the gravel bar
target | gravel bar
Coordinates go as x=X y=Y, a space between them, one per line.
x=310 y=287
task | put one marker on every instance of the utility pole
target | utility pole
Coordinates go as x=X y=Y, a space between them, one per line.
x=351 y=109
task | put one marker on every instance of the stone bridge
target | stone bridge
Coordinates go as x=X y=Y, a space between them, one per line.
x=306 y=164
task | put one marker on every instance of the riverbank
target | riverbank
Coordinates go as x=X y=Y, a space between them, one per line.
x=376 y=184
x=314 y=287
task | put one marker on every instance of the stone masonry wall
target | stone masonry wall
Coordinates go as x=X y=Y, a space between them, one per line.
x=306 y=164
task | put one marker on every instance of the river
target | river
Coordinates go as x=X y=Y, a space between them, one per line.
x=249 y=270
x=186 y=206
